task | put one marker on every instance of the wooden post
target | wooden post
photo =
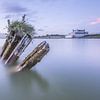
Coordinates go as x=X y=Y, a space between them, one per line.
x=11 y=46
x=34 y=57
x=19 y=49
x=23 y=18
x=8 y=40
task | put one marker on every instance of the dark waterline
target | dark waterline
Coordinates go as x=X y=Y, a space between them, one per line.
x=70 y=71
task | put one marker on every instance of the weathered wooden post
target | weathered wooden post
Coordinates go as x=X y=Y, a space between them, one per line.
x=9 y=38
x=19 y=49
x=20 y=34
x=11 y=46
x=34 y=57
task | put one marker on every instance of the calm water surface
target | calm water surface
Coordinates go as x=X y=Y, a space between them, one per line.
x=70 y=71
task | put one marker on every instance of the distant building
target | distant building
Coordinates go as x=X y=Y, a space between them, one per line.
x=79 y=33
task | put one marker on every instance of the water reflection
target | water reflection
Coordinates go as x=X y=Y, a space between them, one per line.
x=70 y=71
x=28 y=78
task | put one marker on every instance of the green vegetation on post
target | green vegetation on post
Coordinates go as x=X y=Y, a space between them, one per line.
x=21 y=27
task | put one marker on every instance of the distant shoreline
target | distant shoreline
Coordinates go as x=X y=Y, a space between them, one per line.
x=94 y=36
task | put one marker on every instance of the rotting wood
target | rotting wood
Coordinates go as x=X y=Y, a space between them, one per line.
x=16 y=29
x=22 y=45
x=11 y=46
x=8 y=40
x=20 y=36
x=34 y=57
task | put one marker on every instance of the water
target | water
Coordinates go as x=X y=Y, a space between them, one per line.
x=70 y=71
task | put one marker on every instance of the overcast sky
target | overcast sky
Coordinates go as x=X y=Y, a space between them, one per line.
x=53 y=16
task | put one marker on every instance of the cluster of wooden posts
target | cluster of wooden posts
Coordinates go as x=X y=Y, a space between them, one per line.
x=15 y=45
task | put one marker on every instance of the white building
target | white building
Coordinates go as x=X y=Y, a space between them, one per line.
x=79 y=33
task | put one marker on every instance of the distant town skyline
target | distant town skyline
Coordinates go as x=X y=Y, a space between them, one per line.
x=53 y=16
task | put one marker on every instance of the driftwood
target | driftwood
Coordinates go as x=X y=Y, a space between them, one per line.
x=34 y=57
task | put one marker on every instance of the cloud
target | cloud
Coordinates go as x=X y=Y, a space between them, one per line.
x=14 y=8
x=96 y=21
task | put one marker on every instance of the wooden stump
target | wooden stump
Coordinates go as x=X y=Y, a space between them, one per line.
x=19 y=49
x=10 y=47
x=8 y=40
x=34 y=57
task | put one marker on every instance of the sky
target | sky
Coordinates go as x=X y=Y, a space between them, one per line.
x=53 y=16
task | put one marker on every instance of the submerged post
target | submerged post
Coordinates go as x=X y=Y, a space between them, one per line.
x=20 y=36
x=9 y=38
x=34 y=57
x=11 y=46
x=19 y=49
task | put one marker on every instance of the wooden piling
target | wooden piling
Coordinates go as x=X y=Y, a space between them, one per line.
x=34 y=57
x=19 y=49
x=8 y=40
x=11 y=46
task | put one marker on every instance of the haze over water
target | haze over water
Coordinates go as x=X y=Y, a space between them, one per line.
x=70 y=71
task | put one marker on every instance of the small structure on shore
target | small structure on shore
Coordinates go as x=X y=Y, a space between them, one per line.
x=78 y=33
x=20 y=36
